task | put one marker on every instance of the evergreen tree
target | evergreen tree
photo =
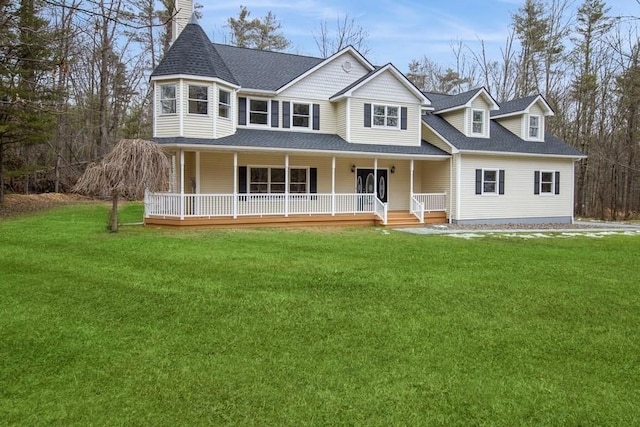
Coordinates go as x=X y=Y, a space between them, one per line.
x=257 y=33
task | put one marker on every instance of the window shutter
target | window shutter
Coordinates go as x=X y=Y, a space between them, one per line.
x=557 y=182
x=536 y=182
x=313 y=180
x=501 y=181
x=367 y=115
x=274 y=114
x=286 y=114
x=478 y=181
x=403 y=118
x=316 y=116
x=242 y=179
x=242 y=111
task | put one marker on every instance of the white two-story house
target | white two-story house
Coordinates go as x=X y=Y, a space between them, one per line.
x=268 y=138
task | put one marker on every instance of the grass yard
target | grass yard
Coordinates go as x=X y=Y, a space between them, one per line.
x=315 y=327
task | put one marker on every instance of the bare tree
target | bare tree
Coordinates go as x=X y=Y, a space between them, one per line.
x=347 y=33
x=133 y=166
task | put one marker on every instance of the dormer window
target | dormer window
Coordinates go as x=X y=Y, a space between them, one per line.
x=258 y=112
x=386 y=116
x=477 y=124
x=534 y=127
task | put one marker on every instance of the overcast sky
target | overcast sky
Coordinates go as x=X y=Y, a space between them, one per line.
x=399 y=30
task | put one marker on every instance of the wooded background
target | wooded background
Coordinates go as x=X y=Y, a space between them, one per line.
x=74 y=80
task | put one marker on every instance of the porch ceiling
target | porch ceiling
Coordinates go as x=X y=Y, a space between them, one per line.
x=314 y=143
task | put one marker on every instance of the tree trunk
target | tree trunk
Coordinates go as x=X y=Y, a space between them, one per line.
x=1 y=172
x=113 y=217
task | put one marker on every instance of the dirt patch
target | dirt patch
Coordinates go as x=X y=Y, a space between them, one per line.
x=16 y=204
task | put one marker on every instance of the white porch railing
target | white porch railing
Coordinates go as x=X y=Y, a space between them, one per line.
x=432 y=201
x=229 y=205
x=417 y=208
x=381 y=210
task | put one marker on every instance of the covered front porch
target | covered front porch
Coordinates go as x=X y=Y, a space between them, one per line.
x=293 y=189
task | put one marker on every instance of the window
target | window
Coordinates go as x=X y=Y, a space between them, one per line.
x=490 y=181
x=546 y=182
x=168 y=99
x=300 y=116
x=297 y=180
x=258 y=112
x=534 y=127
x=385 y=116
x=224 y=104
x=477 y=126
x=198 y=100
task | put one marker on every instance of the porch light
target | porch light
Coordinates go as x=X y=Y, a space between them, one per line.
x=393 y=169
x=353 y=168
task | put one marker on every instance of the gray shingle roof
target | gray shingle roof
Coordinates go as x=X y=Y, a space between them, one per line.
x=501 y=140
x=264 y=70
x=261 y=139
x=443 y=102
x=193 y=54
x=514 y=106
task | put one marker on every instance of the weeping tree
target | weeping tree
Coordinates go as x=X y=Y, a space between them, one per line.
x=133 y=166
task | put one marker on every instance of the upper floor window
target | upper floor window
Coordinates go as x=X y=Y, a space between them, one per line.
x=386 y=116
x=224 y=104
x=198 y=99
x=301 y=115
x=534 y=127
x=477 y=124
x=168 y=99
x=258 y=112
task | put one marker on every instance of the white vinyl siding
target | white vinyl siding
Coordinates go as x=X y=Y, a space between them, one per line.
x=455 y=119
x=478 y=104
x=195 y=125
x=340 y=111
x=378 y=135
x=326 y=81
x=166 y=125
x=433 y=139
x=225 y=126
x=512 y=124
x=518 y=200
x=385 y=88
x=434 y=177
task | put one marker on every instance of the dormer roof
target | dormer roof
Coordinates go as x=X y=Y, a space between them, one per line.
x=522 y=106
x=443 y=103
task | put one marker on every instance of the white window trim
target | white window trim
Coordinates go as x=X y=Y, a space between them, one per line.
x=269 y=167
x=497 y=181
x=175 y=99
x=291 y=114
x=268 y=101
x=484 y=122
x=220 y=103
x=553 y=184
x=386 y=116
x=527 y=127
x=189 y=99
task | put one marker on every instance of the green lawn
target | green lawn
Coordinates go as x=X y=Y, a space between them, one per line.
x=290 y=327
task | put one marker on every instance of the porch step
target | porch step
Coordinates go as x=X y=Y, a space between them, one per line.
x=398 y=219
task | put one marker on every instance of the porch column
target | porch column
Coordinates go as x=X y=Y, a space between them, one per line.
x=181 y=184
x=375 y=177
x=411 y=179
x=196 y=198
x=333 y=186
x=286 y=185
x=235 y=185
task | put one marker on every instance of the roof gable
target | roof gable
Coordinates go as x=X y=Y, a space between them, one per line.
x=443 y=103
x=390 y=68
x=522 y=106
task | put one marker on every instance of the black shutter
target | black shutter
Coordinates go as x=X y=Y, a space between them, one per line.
x=274 y=114
x=403 y=118
x=557 y=182
x=316 y=116
x=536 y=182
x=478 y=181
x=367 y=115
x=242 y=111
x=242 y=179
x=501 y=182
x=286 y=114
x=313 y=180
